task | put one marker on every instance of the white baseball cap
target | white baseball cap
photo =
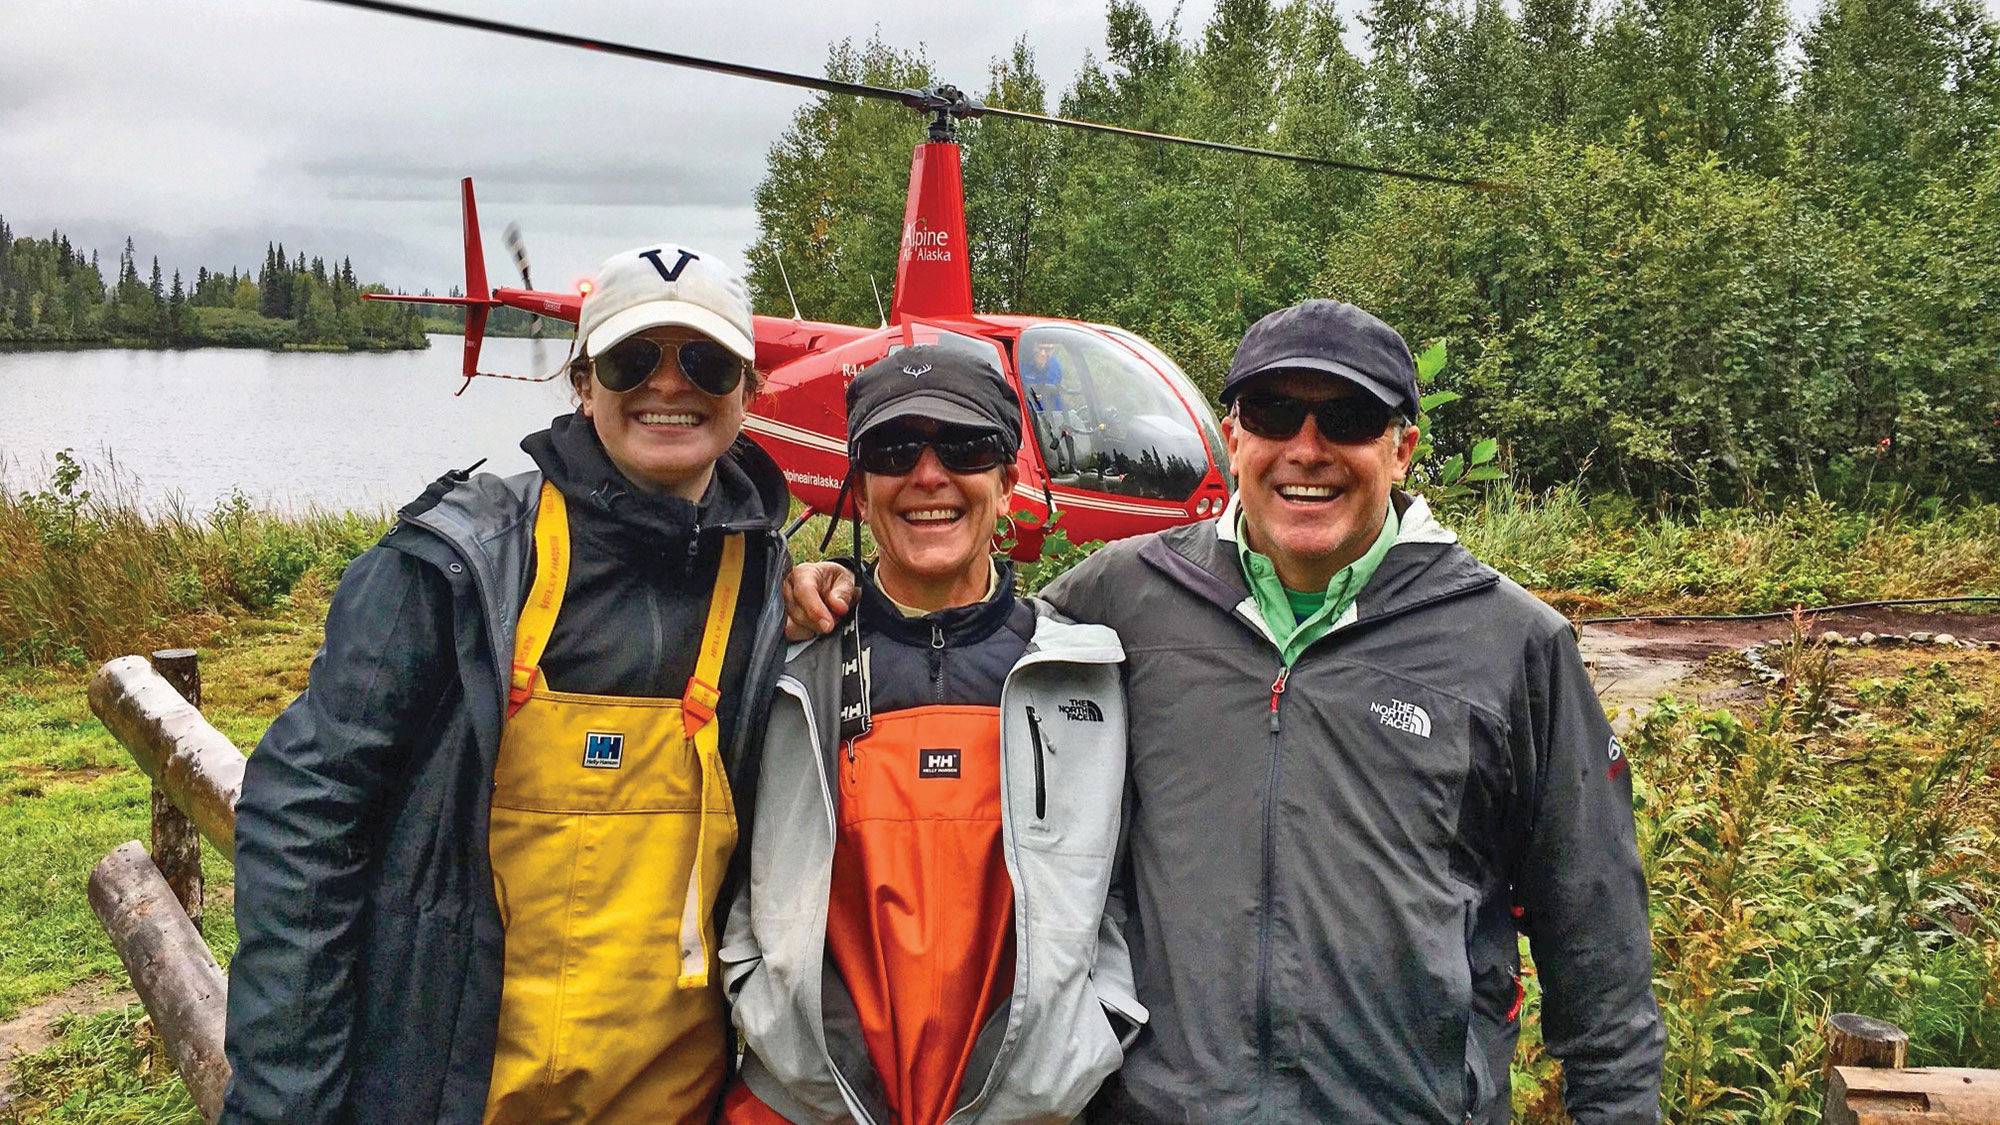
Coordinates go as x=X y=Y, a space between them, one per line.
x=663 y=285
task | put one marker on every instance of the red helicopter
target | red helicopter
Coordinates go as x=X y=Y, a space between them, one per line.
x=1123 y=442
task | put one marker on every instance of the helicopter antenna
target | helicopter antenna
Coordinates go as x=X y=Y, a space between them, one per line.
x=944 y=103
x=878 y=302
x=779 y=251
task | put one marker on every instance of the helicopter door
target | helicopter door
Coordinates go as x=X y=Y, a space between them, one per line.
x=1105 y=420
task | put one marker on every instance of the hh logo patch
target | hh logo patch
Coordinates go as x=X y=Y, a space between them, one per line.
x=603 y=751
x=1403 y=716
x=937 y=763
x=1082 y=711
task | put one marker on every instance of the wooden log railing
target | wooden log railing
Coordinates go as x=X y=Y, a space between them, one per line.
x=194 y=764
x=171 y=968
x=150 y=904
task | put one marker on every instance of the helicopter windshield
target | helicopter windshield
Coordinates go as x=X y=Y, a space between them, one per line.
x=1106 y=421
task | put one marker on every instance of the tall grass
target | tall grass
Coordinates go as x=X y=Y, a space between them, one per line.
x=86 y=574
x=1591 y=554
x=1809 y=859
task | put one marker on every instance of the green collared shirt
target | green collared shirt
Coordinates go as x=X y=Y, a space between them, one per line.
x=1297 y=618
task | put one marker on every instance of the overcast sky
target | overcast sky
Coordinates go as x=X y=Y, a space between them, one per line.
x=204 y=128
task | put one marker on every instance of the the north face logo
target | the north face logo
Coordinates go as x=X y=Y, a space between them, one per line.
x=1404 y=717
x=603 y=751
x=1082 y=711
x=937 y=763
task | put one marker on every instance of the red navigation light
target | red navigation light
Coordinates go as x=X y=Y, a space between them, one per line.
x=584 y=287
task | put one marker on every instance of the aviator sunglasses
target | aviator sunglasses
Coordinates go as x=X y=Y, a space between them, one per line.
x=712 y=368
x=896 y=455
x=1346 y=421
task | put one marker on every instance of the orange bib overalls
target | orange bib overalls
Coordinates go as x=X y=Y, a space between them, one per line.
x=920 y=919
x=612 y=824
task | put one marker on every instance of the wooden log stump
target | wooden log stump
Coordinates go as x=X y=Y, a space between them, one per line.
x=171 y=968
x=1863 y=1041
x=199 y=768
x=176 y=845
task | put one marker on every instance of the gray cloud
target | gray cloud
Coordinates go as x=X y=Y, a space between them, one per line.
x=205 y=129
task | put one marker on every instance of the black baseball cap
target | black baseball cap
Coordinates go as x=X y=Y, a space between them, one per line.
x=1333 y=338
x=945 y=385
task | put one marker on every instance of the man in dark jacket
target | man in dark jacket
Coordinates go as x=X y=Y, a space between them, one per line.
x=1361 y=762
x=1361 y=759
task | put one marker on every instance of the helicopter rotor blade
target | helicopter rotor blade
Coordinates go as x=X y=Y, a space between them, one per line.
x=1244 y=150
x=911 y=98
x=938 y=100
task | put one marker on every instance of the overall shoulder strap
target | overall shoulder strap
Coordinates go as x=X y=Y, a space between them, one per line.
x=704 y=691
x=538 y=615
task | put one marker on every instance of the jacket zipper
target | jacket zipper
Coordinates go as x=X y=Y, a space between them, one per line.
x=1266 y=1031
x=937 y=663
x=1041 y=785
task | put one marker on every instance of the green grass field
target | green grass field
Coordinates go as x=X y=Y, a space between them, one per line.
x=68 y=794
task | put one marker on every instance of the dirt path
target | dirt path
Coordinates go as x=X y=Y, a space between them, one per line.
x=1632 y=664
x=32 y=1029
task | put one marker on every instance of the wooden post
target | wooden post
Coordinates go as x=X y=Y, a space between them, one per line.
x=1864 y=1041
x=170 y=966
x=176 y=844
x=193 y=762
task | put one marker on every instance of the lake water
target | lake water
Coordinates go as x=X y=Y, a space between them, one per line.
x=288 y=429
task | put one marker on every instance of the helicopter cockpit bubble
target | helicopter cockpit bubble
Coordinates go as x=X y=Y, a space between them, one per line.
x=1105 y=419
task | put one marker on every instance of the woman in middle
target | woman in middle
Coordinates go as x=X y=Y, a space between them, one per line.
x=929 y=932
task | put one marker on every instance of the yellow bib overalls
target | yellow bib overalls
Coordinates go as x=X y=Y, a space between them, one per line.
x=611 y=826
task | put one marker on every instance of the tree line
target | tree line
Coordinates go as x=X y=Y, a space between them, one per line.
x=50 y=293
x=1737 y=259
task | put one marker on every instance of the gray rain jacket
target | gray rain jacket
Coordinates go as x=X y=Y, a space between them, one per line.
x=806 y=1057
x=1325 y=861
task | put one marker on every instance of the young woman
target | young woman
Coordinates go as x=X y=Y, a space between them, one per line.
x=477 y=861
x=926 y=935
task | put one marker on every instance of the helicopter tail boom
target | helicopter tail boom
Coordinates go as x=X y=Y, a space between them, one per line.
x=479 y=301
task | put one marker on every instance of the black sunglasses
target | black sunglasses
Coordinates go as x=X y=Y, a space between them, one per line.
x=712 y=368
x=1347 y=421
x=897 y=455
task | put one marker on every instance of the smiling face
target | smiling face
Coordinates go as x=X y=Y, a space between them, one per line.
x=1310 y=505
x=933 y=527
x=665 y=434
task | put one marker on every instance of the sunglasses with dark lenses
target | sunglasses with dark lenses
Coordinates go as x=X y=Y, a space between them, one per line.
x=1348 y=421
x=712 y=368
x=896 y=455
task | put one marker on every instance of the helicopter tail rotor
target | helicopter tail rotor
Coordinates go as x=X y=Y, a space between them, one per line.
x=518 y=247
